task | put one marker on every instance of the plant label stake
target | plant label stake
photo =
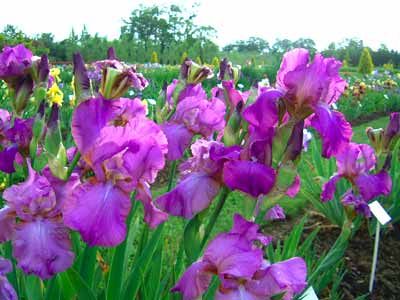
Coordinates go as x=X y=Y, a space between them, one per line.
x=383 y=218
x=309 y=294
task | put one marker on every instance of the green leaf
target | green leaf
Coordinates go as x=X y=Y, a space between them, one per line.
x=192 y=237
x=72 y=284
x=141 y=265
x=119 y=261
x=33 y=287
x=53 y=291
x=88 y=265
x=292 y=242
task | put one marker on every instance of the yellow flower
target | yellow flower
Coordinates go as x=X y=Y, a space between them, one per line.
x=55 y=95
x=55 y=72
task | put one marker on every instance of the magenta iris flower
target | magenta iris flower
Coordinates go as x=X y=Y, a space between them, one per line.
x=125 y=150
x=14 y=140
x=193 y=115
x=200 y=180
x=309 y=90
x=355 y=164
x=32 y=219
x=7 y=291
x=243 y=272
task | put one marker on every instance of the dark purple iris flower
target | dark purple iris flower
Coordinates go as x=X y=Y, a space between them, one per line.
x=241 y=268
x=309 y=89
x=7 y=291
x=355 y=164
x=201 y=179
x=32 y=219
x=125 y=150
x=14 y=62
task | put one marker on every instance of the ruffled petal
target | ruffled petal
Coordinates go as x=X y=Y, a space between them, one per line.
x=291 y=60
x=7 y=158
x=287 y=276
x=263 y=113
x=7 y=291
x=275 y=213
x=98 y=211
x=233 y=255
x=293 y=190
x=152 y=215
x=7 y=224
x=371 y=186
x=335 y=131
x=249 y=177
x=190 y=196
x=179 y=138
x=194 y=282
x=329 y=188
x=43 y=248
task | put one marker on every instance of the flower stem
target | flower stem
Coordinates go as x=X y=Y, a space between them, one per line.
x=221 y=201
x=172 y=175
x=73 y=164
x=374 y=257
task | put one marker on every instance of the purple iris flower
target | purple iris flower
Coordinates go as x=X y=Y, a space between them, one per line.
x=14 y=62
x=355 y=164
x=253 y=174
x=32 y=219
x=193 y=115
x=14 y=140
x=125 y=150
x=275 y=213
x=200 y=180
x=309 y=90
x=241 y=268
x=7 y=291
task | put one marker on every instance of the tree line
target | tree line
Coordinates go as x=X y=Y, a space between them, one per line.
x=167 y=34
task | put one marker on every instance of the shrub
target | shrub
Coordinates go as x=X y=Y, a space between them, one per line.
x=365 y=66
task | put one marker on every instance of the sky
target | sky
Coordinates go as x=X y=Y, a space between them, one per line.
x=374 y=22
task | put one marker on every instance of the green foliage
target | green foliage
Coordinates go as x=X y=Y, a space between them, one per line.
x=154 y=57
x=365 y=65
x=198 y=60
x=183 y=57
x=215 y=62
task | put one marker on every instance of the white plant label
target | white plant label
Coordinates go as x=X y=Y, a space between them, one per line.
x=379 y=212
x=310 y=294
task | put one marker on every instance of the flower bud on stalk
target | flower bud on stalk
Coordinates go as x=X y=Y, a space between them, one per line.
x=192 y=73
x=232 y=129
x=81 y=79
x=22 y=93
x=53 y=146
x=228 y=72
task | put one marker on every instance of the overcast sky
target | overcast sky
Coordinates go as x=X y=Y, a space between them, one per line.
x=375 y=22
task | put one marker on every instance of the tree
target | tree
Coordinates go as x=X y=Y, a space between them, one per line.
x=365 y=66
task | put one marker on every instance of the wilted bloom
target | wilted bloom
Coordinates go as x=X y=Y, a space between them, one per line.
x=241 y=268
x=41 y=243
x=125 y=150
x=309 y=90
x=193 y=115
x=355 y=164
x=7 y=291
x=200 y=181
